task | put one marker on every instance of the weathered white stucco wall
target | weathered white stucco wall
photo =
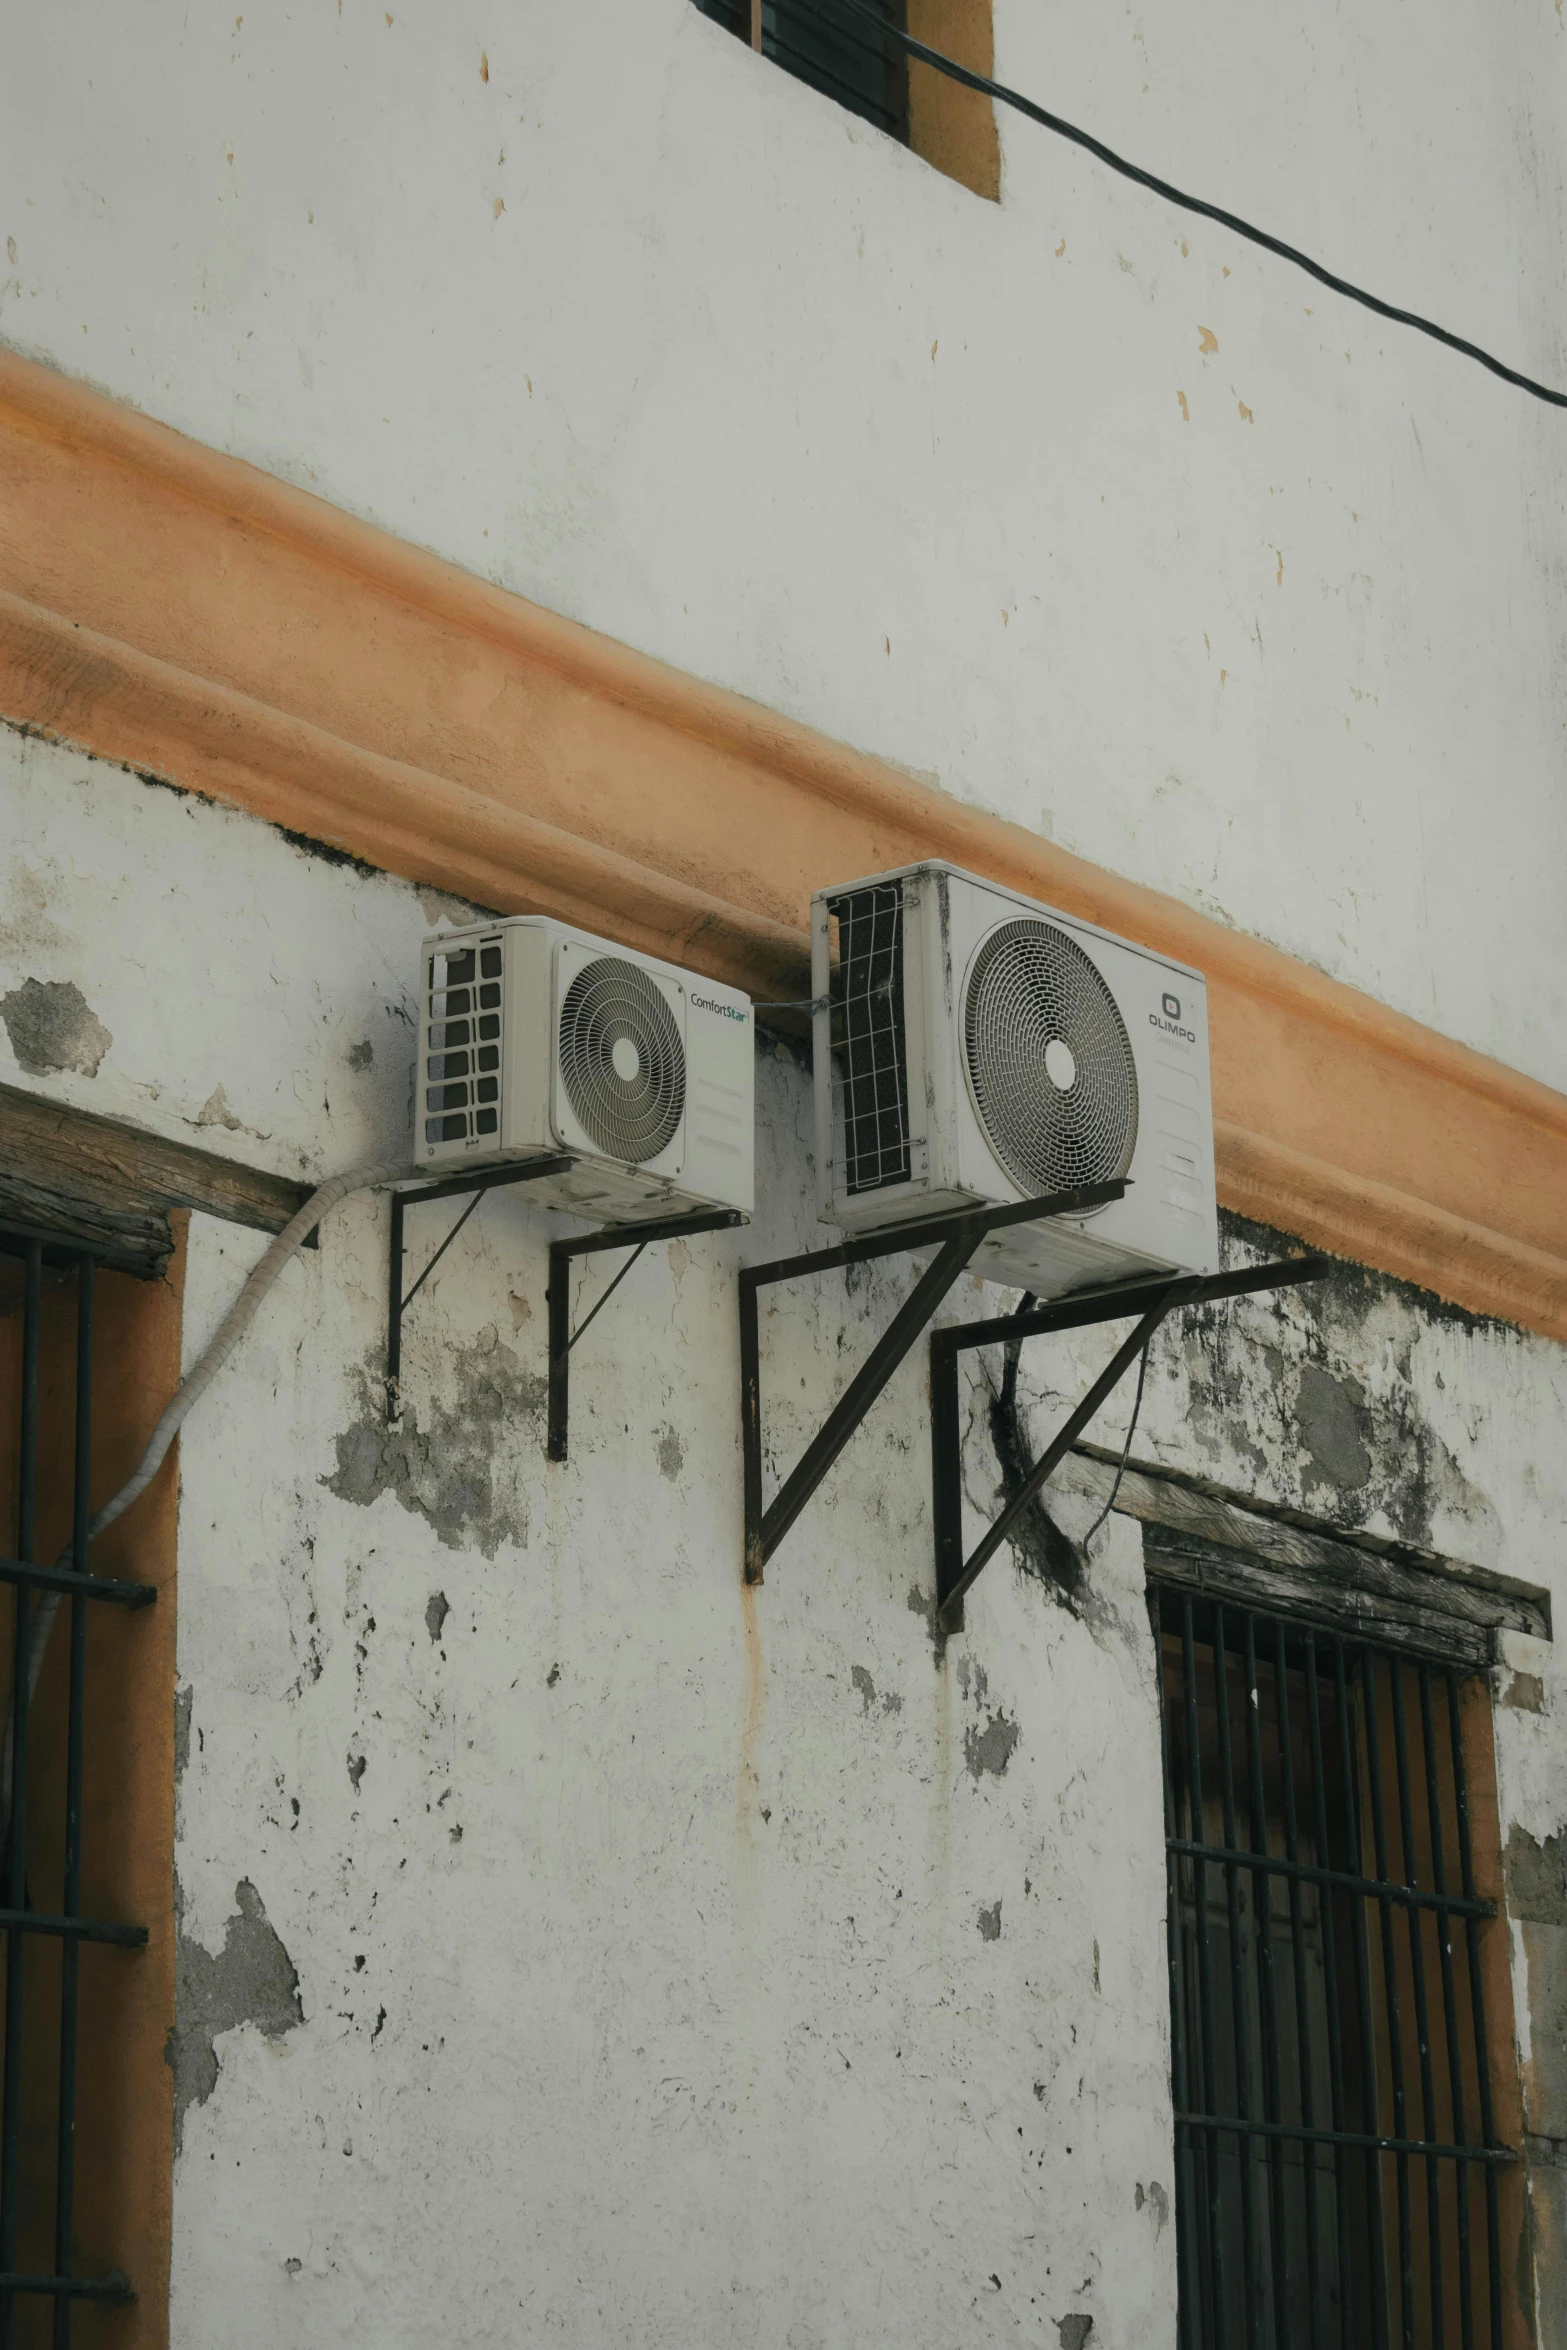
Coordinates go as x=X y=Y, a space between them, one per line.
x=1075 y=503
x=573 y=1948
x=745 y=1973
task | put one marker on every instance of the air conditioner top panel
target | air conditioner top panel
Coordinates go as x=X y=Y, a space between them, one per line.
x=937 y=868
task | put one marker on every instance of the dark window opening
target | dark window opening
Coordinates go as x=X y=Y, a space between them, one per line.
x=1340 y=2177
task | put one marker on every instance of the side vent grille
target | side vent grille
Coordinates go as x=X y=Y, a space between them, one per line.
x=463 y=1074
x=872 y=1067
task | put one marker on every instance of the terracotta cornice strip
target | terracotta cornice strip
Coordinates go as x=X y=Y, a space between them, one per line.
x=83 y=688
x=1468 y=1264
x=177 y=609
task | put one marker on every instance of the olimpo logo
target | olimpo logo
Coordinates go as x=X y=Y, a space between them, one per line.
x=1170 y=1024
x=707 y=1003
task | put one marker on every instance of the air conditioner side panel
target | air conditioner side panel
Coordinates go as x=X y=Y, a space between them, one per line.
x=720 y=1096
x=525 y=1118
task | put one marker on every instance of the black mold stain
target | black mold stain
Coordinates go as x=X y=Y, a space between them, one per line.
x=53 y=1027
x=356 y=1771
x=251 y=1980
x=989 y=1923
x=1037 y=1542
x=1074 y=2330
x=361 y=1055
x=447 y=1476
x=435 y=1614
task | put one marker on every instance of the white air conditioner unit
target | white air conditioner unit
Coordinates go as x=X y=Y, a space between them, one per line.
x=975 y=1048
x=535 y=1038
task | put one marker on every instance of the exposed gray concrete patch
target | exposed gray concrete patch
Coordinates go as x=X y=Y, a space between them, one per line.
x=922 y=1603
x=1333 y=1425
x=1329 y=1414
x=361 y=1055
x=1074 y=2330
x=184 y=1700
x=448 y=1475
x=671 y=1454
x=437 y=1609
x=1525 y=1693
x=251 y=1980
x=52 y=1026
x=991 y=1748
x=1537 y=1877
x=989 y=1922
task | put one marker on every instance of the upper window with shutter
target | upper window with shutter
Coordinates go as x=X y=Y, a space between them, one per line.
x=838 y=52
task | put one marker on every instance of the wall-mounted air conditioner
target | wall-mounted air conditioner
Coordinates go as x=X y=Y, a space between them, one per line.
x=972 y=1046
x=535 y=1038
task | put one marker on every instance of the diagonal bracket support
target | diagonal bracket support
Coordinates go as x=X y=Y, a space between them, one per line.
x=954 y=1240
x=1152 y=1301
x=562 y=1337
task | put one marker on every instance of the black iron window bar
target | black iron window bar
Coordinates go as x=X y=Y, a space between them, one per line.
x=954 y=1239
x=1152 y=1301
x=1337 y=2159
x=562 y=1338
x=20 y=1921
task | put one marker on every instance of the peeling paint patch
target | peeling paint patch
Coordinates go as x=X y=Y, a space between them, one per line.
x=1074 y=2330
x=448 y=1475
x=1158 y=2202
x=991 y=1748
x=891 y=1702
x=361 y=1055
x=53 y=1027
x=989 y=1922
x=215 y=1111
x=437 y=1609
x=251 y=1980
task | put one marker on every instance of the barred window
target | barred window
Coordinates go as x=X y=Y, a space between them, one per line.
x=1341 y=2173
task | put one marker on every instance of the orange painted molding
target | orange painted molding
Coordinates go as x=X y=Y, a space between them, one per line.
x=177 y=609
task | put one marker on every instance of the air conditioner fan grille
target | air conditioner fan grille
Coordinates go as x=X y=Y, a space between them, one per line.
x=1054 y=1119
x=622 y=1061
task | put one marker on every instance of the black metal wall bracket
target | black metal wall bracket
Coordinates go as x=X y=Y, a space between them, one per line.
x=954 y=1239
x=1151 y=1300
x=562 y=1337
x=417 y=1195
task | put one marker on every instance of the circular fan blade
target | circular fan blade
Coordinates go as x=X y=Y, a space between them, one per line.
x=622 y=1061
x=1049 y=1060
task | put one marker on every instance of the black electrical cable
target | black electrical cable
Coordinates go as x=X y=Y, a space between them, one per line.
x=870 y=15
